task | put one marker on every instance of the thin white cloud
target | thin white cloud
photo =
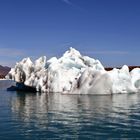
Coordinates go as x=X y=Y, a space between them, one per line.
x=9 y=63
x=9 y=56
x=72 y=4
x=67 y=2
x=107 y=52
x=10 y=52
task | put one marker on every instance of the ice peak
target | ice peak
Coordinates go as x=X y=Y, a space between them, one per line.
x=72 y=52
x=41 y=62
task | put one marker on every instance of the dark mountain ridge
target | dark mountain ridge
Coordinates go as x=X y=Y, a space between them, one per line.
x=4 y=71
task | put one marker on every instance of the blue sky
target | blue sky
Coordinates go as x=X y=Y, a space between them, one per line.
x=108 y=30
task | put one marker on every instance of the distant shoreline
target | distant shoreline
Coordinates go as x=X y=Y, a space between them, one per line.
x=130 y=68
x=106 y=68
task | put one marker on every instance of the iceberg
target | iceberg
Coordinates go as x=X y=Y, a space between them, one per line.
x=74 y=73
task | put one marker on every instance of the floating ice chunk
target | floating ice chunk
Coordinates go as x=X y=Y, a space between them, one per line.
x=93 y=82
x=121 y=80
x=135 y=74
x=75 y=74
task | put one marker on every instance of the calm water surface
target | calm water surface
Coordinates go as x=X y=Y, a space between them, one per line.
x=26 y=116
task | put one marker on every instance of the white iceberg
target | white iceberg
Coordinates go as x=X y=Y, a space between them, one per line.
x=135 y=73
x=74 y=74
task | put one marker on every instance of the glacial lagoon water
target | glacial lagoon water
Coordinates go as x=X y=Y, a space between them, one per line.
x=35 y=116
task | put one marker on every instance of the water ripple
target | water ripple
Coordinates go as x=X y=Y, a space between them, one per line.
x=56 y=116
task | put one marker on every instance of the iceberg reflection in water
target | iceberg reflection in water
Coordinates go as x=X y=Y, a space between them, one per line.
x=76 y=116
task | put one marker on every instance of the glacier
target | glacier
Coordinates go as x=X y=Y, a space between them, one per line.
x=74 y=73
